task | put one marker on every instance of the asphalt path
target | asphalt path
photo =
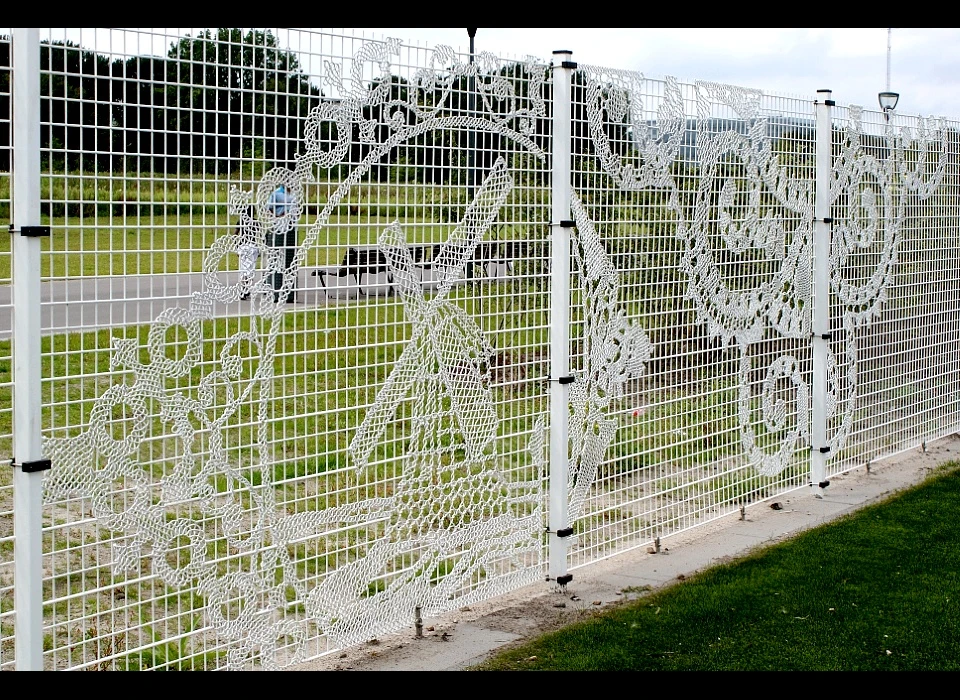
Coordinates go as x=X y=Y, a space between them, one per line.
x=90 y=303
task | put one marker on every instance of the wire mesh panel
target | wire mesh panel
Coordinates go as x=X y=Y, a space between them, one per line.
x=695 y=206
x=294 y=341
x=6 y=367
x=295 y=319
x=894 y=284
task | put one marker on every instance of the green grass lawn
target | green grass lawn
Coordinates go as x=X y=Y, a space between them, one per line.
x=176 y=243
x=145 y=223
x=876 y=590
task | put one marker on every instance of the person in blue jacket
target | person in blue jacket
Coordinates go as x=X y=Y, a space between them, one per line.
x=283 y=234
x=248 y=251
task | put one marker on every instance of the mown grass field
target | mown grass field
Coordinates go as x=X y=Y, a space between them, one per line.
x=141 y=223
x=876 y=590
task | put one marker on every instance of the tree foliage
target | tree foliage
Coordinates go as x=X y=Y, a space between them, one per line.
x=214 y=99
x=227 y=97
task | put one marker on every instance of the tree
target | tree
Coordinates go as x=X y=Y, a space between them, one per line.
x=199 y=107
x=225 y=88
x=82 y=122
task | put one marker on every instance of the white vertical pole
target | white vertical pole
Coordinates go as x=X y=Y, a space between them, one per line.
x=821 y=291
x=889 y=33
x=27 y=473
x=560 y=317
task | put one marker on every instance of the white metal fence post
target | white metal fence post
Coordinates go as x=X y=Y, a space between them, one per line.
x=560 y=225
x=821 y=292
x=28 y=465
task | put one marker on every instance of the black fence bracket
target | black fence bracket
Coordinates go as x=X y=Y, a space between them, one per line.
x=569 y=379
x=36 y=465
x=31 y=231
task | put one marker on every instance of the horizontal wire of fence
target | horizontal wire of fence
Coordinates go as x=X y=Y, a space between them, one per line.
x=296 y=328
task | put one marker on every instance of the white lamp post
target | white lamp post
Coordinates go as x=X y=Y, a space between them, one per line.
x=888 y=100
x=471 y=176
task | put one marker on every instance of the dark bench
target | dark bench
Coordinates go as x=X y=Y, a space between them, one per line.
x=419 y=253
x=359 y=261
x=500 y=253
x=370 y=260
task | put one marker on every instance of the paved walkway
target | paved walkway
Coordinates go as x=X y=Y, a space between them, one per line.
x=466 y=637
x=89 y=303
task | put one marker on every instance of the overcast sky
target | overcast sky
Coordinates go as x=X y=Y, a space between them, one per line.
x=925 y=63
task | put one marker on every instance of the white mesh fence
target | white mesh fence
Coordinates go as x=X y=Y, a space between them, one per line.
x=702 y=196
x=295 y=328
x=895 y=283
x=6 y=367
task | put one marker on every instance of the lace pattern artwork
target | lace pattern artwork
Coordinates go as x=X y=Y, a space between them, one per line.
x=764 y=217
x=455 y=532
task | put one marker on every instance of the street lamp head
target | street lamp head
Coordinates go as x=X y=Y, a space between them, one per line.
x=888 y=101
